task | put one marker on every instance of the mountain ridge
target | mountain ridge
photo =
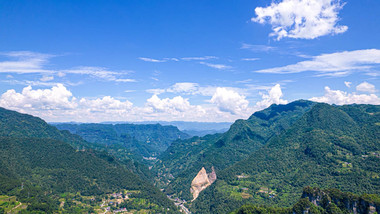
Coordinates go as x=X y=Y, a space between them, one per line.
x=329 y=147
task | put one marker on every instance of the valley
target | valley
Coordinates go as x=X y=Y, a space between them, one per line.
x=271 y=161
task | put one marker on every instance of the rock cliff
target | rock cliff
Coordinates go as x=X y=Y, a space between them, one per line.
x=345 y=201
x=202 y=181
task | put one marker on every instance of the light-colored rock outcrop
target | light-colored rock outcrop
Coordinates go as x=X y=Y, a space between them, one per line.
x=202 y=181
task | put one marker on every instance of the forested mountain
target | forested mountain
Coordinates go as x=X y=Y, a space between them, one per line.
x=265 y=161
x=14 y=124
x=142 y=140
x=184 y=158
x=40 y=166
x=328 y=147
x=317 y=201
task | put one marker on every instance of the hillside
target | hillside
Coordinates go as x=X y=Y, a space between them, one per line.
x=147 y=140
x=41 y=168
x=185 y=158
x=328 y=147
x=317 y=201
x=14 y=124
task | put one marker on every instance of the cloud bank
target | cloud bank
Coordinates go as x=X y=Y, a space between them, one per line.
x=60 y=105
x=341 y=97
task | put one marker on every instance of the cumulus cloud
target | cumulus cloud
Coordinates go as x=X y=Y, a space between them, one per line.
x=190 y=88
x=301 y=19
x=58 y=97
x=334 y=64
x=273 y=96
x=177 y=103
x=341 y=97
x=229 y=101
x=60 y=105
x=366 y=87
x=348 y=84
x=176 y=108
x=105 y=103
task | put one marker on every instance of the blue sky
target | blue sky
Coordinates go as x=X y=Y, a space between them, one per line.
x=93 y=61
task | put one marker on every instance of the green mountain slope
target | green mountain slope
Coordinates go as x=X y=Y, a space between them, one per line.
x=143 y=140
x=14 y=124
x=184 y=159
x=329 y=147
x=317 y=201
x=38 y=164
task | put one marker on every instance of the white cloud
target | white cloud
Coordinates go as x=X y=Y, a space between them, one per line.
x=366 y=87
x=184 y=87
x=217 y=66
x=341 y=98
x=172 y=59
x=301 y=19
x=273 y=97
x=38 y=83
x=46 y=78
x=199 y=58
x=177 y=103
x=105 y=103
x=348 y=84
x=373 y=74
x=98 y=72
x=258 y=48
x=60 y=74
x=334 y=64
x=25 y=62
x=151 y=60
x=229 y=101
x=190 y=88
x=250 y=59
x=176 y=108
x=58 y=97
x=156 y=91
x=60 y=105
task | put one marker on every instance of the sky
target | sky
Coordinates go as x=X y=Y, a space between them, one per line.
x=182 y=60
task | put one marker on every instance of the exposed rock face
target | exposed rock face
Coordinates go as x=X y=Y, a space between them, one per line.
x=352 y=203
x=202 y=181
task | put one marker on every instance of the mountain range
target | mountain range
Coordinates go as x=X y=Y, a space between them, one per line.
x=293 y=158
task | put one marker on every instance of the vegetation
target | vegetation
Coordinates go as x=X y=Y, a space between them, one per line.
x=317 y=201
x=184 y=158
x=329 y=147
x=262 y=164
x=142 y=140
x=38 y=170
